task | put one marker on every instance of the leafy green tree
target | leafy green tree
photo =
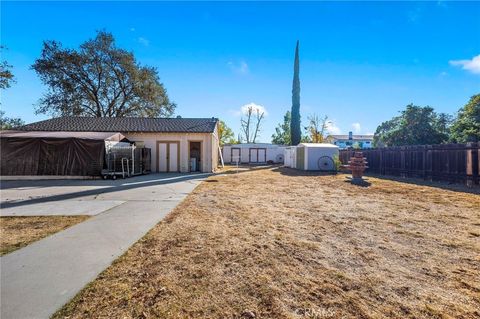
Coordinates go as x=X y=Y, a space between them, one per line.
x=225 y=134
x=99 y=80
x=466 y=127
x=282 y=131
x=317 y=128
x=415 y=125
x=295 y=126
x=6 y=75
x=7 y=123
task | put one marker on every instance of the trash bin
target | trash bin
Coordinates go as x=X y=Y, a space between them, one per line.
x=193 y=164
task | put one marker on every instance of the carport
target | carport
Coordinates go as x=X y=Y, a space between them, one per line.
x=35 y=153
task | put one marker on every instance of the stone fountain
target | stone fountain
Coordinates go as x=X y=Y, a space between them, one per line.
x=357 y=164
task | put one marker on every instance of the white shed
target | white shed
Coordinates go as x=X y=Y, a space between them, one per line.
x=316 y=156
x=257 y=153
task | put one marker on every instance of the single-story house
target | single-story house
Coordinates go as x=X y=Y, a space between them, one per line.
x=253 y=153
x=177 y=144
x=351 y=140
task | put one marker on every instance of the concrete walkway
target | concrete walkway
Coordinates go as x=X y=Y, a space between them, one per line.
x=40 y=278
x=62 y=208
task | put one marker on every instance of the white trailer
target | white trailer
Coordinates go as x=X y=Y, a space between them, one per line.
x=257 y=153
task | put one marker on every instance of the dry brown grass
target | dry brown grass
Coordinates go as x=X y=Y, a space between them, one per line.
x=18 y=232
x=274 y=243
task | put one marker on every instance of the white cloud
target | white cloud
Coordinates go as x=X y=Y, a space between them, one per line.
x=472 y=65
x=144 y=41
x=414 y=15
x=239 y=68
x=333 y=129
x=255 y=107
x=356 y=127
x=442 y=3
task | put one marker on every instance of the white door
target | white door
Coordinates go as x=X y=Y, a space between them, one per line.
x=262 y=155
x=253 y=155
x=162 y=157
x=236 y=155
x=173 y=157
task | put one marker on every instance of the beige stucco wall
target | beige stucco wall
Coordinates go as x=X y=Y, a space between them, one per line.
x=209 y=149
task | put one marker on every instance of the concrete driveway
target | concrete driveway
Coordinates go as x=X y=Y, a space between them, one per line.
x=38 y=279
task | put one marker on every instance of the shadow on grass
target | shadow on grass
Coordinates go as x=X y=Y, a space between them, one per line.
x=413 y=181
x=360 y=183
x=455 y=187
x=245 y=169
x=297 y=172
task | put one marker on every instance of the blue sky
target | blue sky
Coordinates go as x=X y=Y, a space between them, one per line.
x=360 y=63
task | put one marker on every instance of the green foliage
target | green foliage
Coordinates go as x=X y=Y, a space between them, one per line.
x=316 y=130
x=100 y=80
x=337 y=162
x=6 y=75
x=466 y=127
x=306 y=139
x=295 y=126
x=282 y=131
x=7 y=123
x=415 y=125
x=225 y=134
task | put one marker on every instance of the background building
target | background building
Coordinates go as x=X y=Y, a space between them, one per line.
x=350 y=140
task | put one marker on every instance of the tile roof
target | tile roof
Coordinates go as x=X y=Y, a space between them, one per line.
x=123 y=124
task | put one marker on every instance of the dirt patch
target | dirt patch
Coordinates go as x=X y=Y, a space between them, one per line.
x=276 y=243
x=18 y=232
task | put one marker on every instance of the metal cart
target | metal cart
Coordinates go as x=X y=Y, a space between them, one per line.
x=126 y=161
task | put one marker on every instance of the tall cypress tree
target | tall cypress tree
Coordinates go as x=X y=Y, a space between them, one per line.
x=295 y=128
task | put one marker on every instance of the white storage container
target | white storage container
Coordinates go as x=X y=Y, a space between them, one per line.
x=316 y=156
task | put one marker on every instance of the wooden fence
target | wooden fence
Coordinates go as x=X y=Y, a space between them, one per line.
x=456 y=163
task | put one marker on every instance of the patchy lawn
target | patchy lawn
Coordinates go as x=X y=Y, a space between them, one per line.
x=18 y=232
x=277 y=243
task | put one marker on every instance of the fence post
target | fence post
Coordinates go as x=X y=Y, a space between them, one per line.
x=477 y=176
x=382 y=161
x=402 y=162
x=469 y=164
x=428 y=162
x=424 y=162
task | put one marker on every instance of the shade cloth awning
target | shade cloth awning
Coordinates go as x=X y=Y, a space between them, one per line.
x=103 y=136
x=54 y=153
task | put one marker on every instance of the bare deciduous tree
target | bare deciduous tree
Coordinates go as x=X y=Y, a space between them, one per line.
x=251 y=125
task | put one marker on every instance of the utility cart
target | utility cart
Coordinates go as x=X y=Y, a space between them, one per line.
x=126 y=161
